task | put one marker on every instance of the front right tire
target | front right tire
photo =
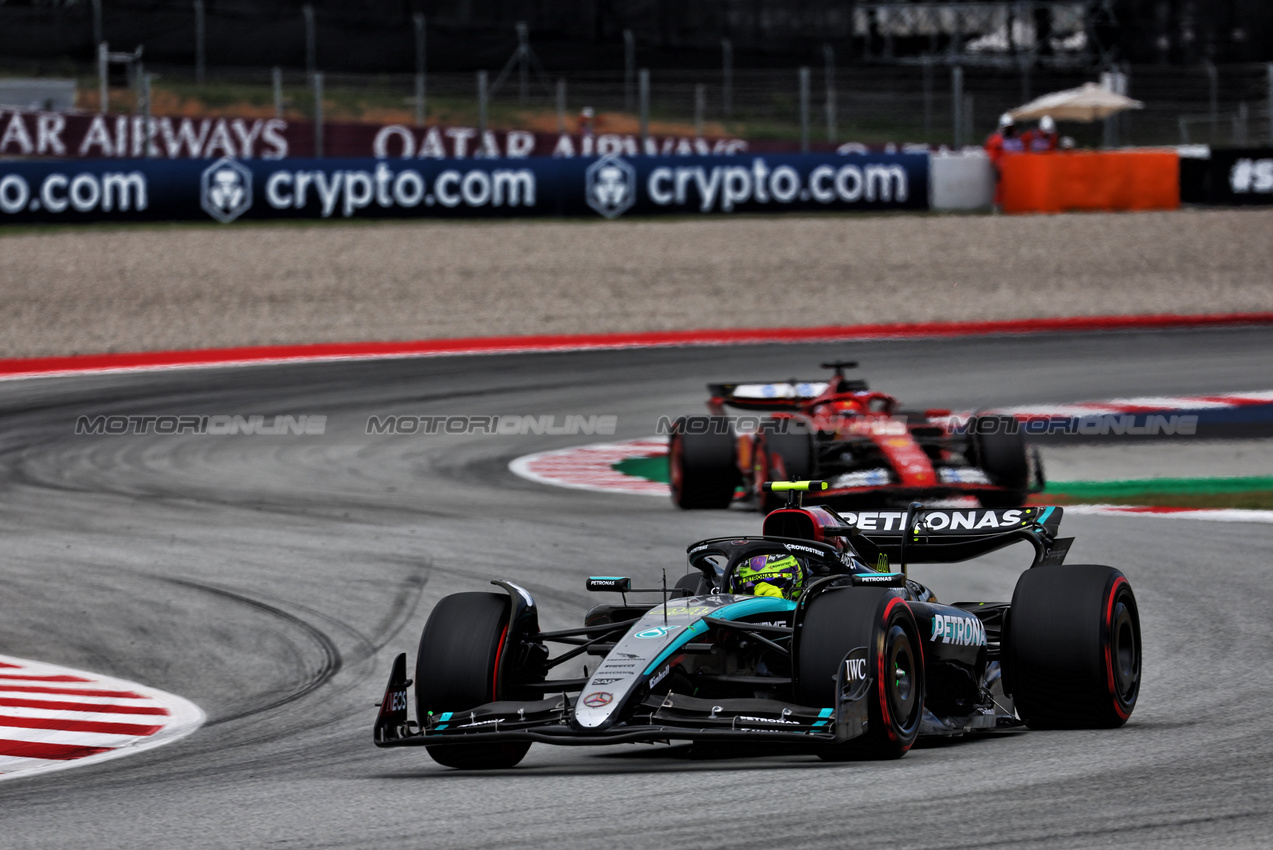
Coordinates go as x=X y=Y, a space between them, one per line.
x=457 y=669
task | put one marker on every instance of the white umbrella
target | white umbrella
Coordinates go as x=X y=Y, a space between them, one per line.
x=1089 y=102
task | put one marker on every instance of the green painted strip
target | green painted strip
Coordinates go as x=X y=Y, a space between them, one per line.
x=1114 y=489
x=649 y=468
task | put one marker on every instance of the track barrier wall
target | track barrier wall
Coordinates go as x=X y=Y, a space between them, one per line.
x=610 y=186
x=1068 y=181
x=961 y=181
x=1229 y=177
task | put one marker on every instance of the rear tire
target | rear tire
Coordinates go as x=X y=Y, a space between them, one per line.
x=1001 y=453
x=837 y=622
x=702 y=467
x=787 y=457
x=1072 y=649
x=456 y=670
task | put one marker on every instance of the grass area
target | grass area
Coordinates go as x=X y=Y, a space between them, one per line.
x=1254 y=493
x=650 y=468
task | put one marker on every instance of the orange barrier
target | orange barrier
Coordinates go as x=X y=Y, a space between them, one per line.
x=1084 y=180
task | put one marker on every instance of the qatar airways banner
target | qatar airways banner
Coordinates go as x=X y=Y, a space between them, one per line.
x=67 y=135
x=611 y=186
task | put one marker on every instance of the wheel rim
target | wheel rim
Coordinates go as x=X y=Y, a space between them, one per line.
x=903 y=687
x=1124 y=653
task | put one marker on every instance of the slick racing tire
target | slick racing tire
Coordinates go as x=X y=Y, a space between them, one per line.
x=456 y=670
x=1071 y=647
x=841 y=620
x=701 y=464
x=785 y=457
x=1000 y=451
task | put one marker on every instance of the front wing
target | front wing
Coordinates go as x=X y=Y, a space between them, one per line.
x=658 y=717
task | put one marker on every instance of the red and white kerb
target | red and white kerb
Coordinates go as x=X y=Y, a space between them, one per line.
x=54 y=717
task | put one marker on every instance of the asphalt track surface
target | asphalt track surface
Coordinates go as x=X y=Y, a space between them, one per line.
x=272 y=579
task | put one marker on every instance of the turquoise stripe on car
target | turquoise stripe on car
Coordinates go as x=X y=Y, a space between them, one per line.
x=755 y=605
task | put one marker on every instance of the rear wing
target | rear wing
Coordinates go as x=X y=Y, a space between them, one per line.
x=774 y=395
x=946 y=536
x=766 y=395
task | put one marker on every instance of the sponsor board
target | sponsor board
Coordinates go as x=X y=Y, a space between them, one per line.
x=71 y=135
x=231 y=189
x=1228 y=177
x=99 y=136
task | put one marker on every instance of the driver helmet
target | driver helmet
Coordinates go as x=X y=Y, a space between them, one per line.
x=768 y=575
x=1047 y=125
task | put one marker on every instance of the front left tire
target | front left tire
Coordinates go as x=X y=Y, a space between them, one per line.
x=841 y=620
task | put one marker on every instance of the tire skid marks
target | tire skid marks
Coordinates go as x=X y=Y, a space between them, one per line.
x=52 y=717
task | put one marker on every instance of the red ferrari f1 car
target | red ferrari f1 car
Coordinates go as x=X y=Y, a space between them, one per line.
x=838 y=430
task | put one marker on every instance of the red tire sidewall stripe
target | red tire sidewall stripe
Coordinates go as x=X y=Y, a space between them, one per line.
x=881 y=691
x=499 y=651
x=1109 y=639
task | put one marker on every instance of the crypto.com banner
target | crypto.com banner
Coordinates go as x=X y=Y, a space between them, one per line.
x=228 y=190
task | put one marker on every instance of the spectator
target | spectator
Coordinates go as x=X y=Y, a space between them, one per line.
x=1003 y=141
x=586 y=119
x=1042 y=139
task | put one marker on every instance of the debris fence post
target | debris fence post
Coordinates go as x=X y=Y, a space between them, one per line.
x=420 y=79
x=727 y=77
x=643 y=86
x=318 y=114
x=200 y=45
x=700 y=106
x=828 y=56
x=103 y=71
x=523 y=66
x=1270 y=87
x=804 y=108
x=145 y=114
x=278 y=92
x=928 y=98
x=629 y=69
x=561 y=106
x=311 y=41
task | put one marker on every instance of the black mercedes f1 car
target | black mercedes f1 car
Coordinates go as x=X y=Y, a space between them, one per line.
x=860 y=664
